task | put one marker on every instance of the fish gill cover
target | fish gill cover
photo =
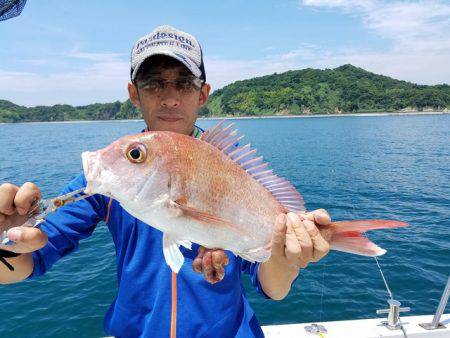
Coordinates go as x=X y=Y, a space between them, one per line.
x=11 y=8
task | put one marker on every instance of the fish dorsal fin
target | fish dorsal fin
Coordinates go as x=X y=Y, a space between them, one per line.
x=226 y=140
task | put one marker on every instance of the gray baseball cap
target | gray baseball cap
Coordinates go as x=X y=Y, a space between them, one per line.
x=167 y=40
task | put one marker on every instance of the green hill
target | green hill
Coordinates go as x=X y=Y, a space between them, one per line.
x=314 y=91
x=10 y=112
x=308 y=91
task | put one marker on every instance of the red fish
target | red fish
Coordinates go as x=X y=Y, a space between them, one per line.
x=208 y=191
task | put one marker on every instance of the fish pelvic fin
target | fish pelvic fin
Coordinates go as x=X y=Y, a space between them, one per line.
x=348 y=236
x=172 y=254
x=227 y=140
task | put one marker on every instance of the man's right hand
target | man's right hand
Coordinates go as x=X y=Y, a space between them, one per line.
x=15 y=204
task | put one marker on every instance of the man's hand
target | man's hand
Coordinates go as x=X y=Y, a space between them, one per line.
x=296 y=242
x=15 y=203
x=211 y=262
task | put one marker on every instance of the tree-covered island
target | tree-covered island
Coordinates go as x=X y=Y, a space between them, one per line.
x=345 y=89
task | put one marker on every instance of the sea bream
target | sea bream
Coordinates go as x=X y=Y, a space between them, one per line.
x=208 y=191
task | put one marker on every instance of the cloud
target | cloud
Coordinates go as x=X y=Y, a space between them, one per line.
x=413 y=25
x=101 y=77
x=305 y=51
x=220 y=72
x=97 y=57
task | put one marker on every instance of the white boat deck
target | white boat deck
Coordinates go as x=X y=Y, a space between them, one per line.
x=363 y=328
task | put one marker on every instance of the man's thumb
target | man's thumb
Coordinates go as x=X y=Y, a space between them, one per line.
x=29 y=237
x=14 y=234
x=279 y=235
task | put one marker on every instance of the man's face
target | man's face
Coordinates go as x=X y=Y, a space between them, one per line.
x=168 y=108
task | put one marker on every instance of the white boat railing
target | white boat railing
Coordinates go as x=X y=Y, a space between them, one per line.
x=435 y=323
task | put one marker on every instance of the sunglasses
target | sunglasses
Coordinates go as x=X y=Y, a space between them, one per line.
x=183 y=84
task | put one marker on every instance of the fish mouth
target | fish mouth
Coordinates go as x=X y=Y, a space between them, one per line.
x=91 y=168
x=93 y=171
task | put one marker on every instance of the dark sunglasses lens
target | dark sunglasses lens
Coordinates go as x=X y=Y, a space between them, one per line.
x=182 y=84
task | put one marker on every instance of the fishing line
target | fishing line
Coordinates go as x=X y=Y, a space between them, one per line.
x=384 y=279
x=382 y=274
x=321 y=296
x=389 y=292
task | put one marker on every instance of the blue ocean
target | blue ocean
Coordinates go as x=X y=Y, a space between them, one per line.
x=356 y=167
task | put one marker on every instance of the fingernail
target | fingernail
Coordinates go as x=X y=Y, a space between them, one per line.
x=292 y=217
x=323 y=219
x=14 y=235
x=281 y=218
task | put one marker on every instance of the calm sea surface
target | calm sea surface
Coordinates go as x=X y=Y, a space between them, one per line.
x=395 y=167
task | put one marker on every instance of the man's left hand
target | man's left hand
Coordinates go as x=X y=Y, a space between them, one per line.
x=296 y=242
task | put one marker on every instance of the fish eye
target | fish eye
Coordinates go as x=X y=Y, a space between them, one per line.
x=136 y=153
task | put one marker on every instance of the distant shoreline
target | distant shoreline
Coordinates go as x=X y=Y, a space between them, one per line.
x=256 y=117
x=323 y=115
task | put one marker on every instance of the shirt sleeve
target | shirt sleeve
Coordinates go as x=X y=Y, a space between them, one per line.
x=252 y=269
x=66 y=226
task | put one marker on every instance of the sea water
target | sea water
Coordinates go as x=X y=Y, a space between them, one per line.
x=356 y=167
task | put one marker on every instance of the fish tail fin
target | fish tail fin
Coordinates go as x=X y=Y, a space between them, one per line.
x=347 y=236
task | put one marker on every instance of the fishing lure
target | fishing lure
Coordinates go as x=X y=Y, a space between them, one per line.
x=41 y=208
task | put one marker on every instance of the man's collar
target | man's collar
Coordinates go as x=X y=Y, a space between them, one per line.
x=196 y=133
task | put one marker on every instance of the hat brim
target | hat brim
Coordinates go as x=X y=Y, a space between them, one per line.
x=184 y=59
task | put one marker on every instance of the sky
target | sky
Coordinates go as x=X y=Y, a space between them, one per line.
x=78 y=52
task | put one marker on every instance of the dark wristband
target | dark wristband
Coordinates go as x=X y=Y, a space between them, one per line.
x=7 y=254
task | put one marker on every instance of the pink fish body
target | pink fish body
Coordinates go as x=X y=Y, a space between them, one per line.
x=207 y=191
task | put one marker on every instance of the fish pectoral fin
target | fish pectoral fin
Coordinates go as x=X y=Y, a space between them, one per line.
x=172 y=254
x=205 y=217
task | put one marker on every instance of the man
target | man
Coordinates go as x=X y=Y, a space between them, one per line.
x=168 y=86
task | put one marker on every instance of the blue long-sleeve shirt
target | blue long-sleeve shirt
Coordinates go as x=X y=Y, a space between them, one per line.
x=143 y=305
